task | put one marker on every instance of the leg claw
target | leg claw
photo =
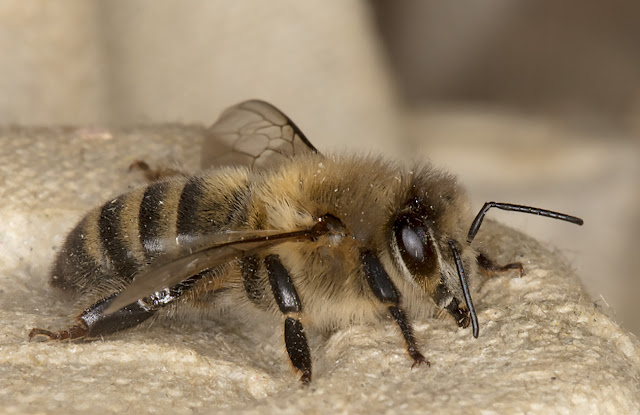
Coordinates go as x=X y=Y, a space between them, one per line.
x=419 y=359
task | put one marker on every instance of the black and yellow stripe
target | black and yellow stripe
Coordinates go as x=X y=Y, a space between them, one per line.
x=116 y=241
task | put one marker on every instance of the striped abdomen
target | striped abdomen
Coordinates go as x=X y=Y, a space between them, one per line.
x=114 y=242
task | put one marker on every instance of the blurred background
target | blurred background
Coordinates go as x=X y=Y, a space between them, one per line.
x=532 y=102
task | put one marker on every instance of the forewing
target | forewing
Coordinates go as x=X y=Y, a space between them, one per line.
x=197 y=256
x=255 y=134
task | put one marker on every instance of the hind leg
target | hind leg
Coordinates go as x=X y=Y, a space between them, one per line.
x=93 y=323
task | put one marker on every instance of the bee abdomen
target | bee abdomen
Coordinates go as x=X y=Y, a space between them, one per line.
x=157 y=216
x=208 y=205
x=114 y=242
x=104 y=249
x=75 y=266
x=120 y=244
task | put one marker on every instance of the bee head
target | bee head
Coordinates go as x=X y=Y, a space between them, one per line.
x=429 y=257
x=428 y=249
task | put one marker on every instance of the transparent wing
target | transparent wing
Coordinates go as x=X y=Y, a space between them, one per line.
x=255 y=134
x=200 y=255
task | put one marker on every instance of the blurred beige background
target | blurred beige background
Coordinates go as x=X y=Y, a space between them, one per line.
x=529 y=102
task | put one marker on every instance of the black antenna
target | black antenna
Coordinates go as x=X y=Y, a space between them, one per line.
x=473 y=230
x=465 y=289
x=475 y=226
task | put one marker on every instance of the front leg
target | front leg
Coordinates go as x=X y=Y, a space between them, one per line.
x=385 y=291
x=288 y=301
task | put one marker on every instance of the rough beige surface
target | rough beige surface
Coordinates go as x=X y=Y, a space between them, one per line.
x=543 y=348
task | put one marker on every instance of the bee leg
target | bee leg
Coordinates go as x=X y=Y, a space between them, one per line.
x=407 y=332
x=298 y=348
x=288 y=301
x=387 y=293
x=154 y=175
x=93 y=323
x=460 y=315
x=489 y=268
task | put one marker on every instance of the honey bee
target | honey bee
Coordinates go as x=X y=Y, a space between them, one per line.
x=316 y=241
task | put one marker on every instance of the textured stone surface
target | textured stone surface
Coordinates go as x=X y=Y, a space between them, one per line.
x=544 y=347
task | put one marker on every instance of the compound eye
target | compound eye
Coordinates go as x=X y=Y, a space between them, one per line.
x=415 y=246
x=411 y=242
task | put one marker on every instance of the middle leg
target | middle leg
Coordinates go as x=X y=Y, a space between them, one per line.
x=288 y=301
